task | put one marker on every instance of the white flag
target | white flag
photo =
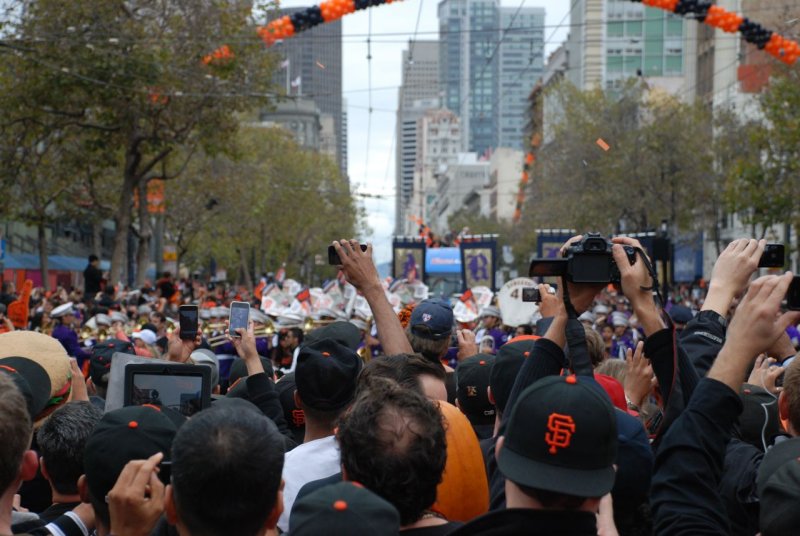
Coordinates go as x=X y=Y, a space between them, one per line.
x=285 y=64
x=296 y=82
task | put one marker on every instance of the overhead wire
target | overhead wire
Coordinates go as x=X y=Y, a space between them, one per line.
x=369 y=96
x=410 y=62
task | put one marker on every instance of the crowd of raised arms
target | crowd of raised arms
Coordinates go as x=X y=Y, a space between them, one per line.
x=358 y=409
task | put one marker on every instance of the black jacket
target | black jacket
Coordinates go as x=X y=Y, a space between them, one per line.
x=689 y=464
x=702 y=339
x=738 y=487
x=92 y=277
x=532 y=522
x=677 y=377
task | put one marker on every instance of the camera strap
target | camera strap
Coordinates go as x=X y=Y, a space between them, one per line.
x=658 y=298
x=580 y=362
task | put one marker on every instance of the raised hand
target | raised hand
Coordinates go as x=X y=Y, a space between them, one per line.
x=580 y=295
x=638 y=375
x=466 y=344
x=732 y=271
x=755 y=327
x=635 y=278
x=357 y=266
x=136 y=501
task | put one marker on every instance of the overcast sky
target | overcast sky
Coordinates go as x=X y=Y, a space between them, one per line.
x=371 y=161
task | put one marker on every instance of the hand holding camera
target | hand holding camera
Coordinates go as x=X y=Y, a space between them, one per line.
x=637 y=283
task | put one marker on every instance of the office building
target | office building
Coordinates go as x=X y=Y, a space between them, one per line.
x=438 y=148
x=314 y=70
x=521 y=58
x=456 y=184
x=612 y=41
x=490 y=58
x=419 y=92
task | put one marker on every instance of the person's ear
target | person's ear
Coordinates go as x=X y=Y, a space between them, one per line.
x=490 y=395
x=277 y=510
x=170 y=511
x=499 y=446
x=29 y=465
x=83 y=489
x=297 y=400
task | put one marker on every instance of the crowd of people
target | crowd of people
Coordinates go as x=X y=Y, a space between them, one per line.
x=609 y=413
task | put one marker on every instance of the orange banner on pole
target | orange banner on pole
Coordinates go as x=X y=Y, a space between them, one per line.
x=155 y=197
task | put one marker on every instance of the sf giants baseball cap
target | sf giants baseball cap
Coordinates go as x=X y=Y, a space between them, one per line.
x=561 y=437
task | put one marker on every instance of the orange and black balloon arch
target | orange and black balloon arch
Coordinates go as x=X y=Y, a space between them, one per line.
x=784 y=49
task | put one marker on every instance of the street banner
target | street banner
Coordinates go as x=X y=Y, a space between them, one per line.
x=478 y=263
x=408 y=259
x=548 y=244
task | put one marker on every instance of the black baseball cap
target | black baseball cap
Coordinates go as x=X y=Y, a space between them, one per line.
x=239 y=370
x=778 y=485
x=344 y=508
x=100 y=360
x=561 y=437
x=326 y=375
x=507 y=362
x=472 y=378
x=295 y=418
x=32 y=381
x=344 y=333
x=432 y=319
x=122 y=435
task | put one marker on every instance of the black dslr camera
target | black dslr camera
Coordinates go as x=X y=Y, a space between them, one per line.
x=588 y=261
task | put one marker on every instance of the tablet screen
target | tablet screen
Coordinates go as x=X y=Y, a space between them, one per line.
x=181 y=392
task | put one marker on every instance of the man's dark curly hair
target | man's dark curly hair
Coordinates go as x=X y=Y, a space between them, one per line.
x=392 y=441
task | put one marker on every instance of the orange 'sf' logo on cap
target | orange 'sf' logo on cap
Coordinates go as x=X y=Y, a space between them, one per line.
x=561 y=428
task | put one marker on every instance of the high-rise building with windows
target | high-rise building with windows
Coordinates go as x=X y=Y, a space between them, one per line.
x=419 y=92
x=314 y=70
x=490 y=58
x=612 y=41
x=468 y=31
x=521 y=59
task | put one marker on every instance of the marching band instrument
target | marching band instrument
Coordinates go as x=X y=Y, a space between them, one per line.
x=88 y=333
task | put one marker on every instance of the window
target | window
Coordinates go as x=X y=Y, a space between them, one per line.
x=674 y=64
x=614 y=63
x=674 y=26
x=633 y=28
x=615 y=29
x=654 y=23
x=632 y=63
x=652 y=66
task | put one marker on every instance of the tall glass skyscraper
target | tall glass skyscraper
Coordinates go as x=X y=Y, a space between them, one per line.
x=490 y=58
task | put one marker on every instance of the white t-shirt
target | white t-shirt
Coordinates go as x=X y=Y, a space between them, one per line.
x=305 y=463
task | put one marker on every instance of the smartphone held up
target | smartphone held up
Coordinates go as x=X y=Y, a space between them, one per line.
x=188 y=316
x=239 y=318
x=333 y=255
x=793 y=294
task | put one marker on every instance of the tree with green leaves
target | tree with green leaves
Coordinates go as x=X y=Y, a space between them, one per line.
x=764 y=180
x=148 y=83
x=271 y=202
x=655 y=168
